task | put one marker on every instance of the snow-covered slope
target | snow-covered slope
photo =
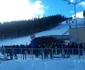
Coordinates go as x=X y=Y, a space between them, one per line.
x=58 y=30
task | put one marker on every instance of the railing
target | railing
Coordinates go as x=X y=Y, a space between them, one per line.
x=41 y=53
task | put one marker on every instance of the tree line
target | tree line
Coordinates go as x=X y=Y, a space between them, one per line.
x=26 y=27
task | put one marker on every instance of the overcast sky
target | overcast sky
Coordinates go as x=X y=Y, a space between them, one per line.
x=11 y=10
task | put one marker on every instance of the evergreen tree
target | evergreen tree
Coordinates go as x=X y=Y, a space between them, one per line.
x=27 y=27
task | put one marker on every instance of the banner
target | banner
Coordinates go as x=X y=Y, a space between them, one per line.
x=32 y=36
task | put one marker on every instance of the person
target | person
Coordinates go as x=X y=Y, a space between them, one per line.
x=56 y=52
x=25 y=52
x=32 y=43
x=10 y=52
x=68 y=50
x=15 y=51
x=51 y=51
x=32 y=46
x=45 y=52
x=63 y=52
x=4 y=51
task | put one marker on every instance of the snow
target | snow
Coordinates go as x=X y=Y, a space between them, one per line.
x=58 y=30
x=73 y=63
x=59 y=64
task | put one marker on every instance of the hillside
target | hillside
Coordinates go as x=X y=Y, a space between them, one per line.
x=58 y=30
x=26 y=27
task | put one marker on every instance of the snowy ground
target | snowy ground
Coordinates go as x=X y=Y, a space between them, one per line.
x=47 y=64
x=72 y=63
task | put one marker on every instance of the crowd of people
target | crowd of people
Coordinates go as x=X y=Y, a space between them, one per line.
x=44 y=50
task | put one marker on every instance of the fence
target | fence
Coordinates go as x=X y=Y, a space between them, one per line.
x=41 y=53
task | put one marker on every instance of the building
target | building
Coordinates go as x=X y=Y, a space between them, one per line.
x=77 y=34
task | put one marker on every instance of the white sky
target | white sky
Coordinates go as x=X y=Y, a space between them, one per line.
x=78 y=15
x=20 y=9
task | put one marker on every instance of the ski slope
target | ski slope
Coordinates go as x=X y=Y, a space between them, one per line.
x=58 y=30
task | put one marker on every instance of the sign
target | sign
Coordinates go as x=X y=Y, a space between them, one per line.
x=32 y=36
x=72 y=39
x=32 y=44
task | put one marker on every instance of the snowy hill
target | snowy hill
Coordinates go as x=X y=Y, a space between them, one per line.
x=58 y=30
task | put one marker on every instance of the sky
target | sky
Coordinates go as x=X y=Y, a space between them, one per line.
x=11 y=10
